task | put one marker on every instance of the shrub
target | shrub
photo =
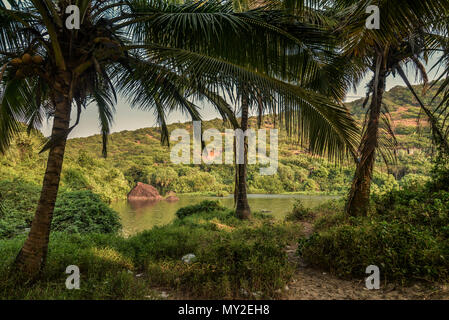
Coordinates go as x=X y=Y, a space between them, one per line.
x=406 y=236
x=83 y=211
x=74 y=179
x=401 y=251
x=299 y=212
x=75 y=211
x=18 y=200
x=204 y=206
x=229 y=264
x=246 y=256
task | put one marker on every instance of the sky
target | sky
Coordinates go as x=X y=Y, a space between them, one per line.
x=127 y=118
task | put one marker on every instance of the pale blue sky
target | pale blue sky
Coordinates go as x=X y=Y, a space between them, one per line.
x=127 y=118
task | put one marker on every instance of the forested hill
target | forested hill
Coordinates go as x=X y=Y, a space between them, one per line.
x=407 y=121
x=138 y=156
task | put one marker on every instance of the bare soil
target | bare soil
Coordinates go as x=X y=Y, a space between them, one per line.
x=312 y=284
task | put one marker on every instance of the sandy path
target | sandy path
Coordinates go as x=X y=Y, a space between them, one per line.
x=313 y=284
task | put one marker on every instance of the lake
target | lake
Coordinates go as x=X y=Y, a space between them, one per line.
x=139 y=216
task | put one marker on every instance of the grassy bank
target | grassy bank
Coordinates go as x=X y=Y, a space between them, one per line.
x=406 y=235
x=234 y=259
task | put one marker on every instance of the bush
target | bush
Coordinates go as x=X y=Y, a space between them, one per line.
x=235 y=259
x=19 y=200
x=74 y=179
x=299 y=212
x=76 y=211
x=204 y=206
x=83 y=211
x=400 y=251
x=406 y=236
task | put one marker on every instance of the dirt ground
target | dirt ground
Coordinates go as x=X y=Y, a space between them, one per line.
x=312 y=284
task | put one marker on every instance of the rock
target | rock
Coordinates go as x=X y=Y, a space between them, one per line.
x=257 y=294
x=144 y=191
x=286 y=288
x=171 y=196
x=189 y=258
x=164 y=295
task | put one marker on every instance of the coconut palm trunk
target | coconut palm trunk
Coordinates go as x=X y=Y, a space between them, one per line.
x=242 y=207
x=32 y=256
x=358 y=200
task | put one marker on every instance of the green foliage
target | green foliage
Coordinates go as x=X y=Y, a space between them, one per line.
x=268 y=184
x=135 y=174
x=137 y=156
x=163 y=178
x=299 y=212
x=401 y=251
x=204 y=206
x=440 y=172
x=75 y=211
x=18 y=200
x=406 y=236
x=233 y=257
x=83 y=211
x=74 y=179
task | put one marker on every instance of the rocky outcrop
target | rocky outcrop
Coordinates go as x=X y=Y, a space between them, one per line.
x=171 y=196
x=144 y=191
x=148 y=193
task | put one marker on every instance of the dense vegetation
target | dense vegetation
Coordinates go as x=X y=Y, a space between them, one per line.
x=406 y=234
x=234 y=259
x=138 y=156
x=293 y=61
x=75 y=211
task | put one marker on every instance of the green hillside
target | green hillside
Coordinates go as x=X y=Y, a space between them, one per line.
x=408 y=123
x=138 y=156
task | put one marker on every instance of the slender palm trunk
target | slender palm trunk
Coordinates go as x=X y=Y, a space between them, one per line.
x=358 y=200
x=32 y=256
x=242 y=207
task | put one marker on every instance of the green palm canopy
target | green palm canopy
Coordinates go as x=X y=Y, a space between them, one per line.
x=164 y=56
x=161 y=56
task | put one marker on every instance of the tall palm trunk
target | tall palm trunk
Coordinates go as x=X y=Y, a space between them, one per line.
x=32 y=256
x=358 y=200
x=242 y=207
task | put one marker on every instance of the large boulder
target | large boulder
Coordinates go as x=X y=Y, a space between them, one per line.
x=144 y=191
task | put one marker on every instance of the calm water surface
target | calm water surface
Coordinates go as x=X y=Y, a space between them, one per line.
x=139 y=216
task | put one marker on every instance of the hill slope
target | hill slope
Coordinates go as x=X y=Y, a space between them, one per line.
x=138 y=156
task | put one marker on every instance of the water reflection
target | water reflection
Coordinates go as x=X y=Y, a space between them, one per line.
x=141 y=215
x=137 y=205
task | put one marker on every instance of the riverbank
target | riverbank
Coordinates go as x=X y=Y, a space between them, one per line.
x=139 y=216
x=232 y=259
x=311 y=283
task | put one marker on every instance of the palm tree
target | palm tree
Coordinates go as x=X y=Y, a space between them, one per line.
x=317 y=68
x=400 y=40
x=162 y=56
